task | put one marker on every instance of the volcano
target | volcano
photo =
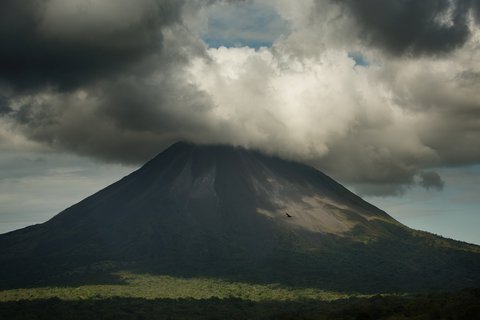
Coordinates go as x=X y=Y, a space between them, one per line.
x=227 y=212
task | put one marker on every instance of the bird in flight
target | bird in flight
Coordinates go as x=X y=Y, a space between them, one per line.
x=286 y=213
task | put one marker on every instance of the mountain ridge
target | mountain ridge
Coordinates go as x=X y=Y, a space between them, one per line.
x=221 y=211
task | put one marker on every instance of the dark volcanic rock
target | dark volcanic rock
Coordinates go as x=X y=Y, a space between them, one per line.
x=227 y=212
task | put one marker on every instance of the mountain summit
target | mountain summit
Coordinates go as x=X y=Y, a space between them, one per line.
x=221 y=211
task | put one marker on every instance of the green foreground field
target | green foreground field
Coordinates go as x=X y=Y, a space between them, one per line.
x=164 y=297
x=166 y=287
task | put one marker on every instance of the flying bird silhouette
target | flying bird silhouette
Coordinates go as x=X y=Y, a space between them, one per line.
x=288 y=215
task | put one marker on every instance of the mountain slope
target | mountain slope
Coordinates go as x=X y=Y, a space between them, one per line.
x=228 y=212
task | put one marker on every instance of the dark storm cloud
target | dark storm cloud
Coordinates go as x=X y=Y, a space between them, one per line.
x=371 y=164
x=64 y=45
x=431 y=180
x=126 y=121
x=119 y=80
x=412 y=26
x=102 y=78
x=4 y=106
x=99 y=78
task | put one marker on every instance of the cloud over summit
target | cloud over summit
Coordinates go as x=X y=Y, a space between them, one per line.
x=120 y=80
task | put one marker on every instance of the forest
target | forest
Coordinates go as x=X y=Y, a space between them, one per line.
x=165 y=297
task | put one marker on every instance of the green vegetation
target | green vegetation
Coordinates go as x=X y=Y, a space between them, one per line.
x=143 y=296
x=167 y=287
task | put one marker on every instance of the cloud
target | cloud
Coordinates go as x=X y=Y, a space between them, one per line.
x=65 y=44
x=99 y=78
x=413 y=27
x=121 y=80
x=431 y=180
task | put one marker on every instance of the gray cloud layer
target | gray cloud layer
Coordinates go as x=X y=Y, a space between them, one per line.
x=65 y=44
x=414 y=27
x=121 y=80
x=431 y=179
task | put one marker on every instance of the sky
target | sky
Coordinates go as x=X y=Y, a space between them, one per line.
x=383 y=96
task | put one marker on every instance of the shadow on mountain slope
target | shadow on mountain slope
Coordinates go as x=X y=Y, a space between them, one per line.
x=418 y=263
x=221 y=212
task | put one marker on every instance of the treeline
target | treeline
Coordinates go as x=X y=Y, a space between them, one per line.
x=460 y=305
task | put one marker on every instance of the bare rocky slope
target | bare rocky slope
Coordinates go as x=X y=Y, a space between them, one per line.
x=220 y=211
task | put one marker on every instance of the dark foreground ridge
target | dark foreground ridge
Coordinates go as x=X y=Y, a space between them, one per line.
x=225 y=212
